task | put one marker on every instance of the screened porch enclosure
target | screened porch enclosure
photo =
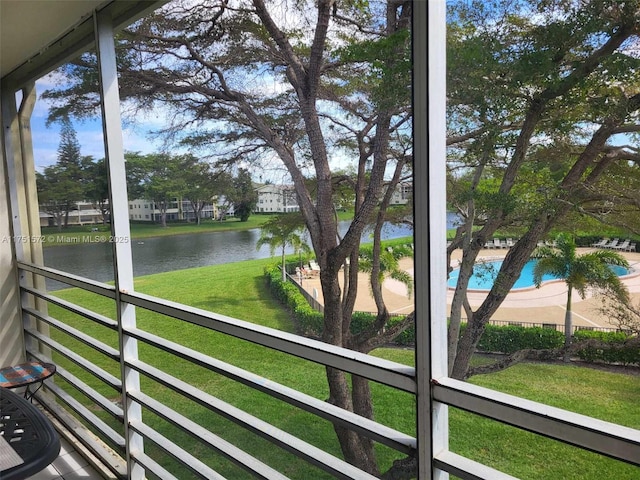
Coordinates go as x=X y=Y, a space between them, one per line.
x=107 y=388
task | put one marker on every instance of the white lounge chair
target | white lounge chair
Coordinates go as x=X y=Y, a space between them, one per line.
x=600 y=244
x=510 y=242
x=631 y=248
x=623 y=245
x=612 y=243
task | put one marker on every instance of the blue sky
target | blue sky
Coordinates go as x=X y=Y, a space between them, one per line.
x=47 y=139
x=136 y=137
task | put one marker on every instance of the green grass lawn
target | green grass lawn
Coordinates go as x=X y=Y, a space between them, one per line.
x=238 y=290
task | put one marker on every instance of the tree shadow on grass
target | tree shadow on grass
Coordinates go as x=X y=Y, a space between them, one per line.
x=258 y=307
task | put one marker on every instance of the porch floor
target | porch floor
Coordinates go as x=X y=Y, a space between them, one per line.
x=69 y=465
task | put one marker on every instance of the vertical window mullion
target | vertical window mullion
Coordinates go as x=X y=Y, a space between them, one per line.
x=18 y=232
x=122 y=260
x=429 y=90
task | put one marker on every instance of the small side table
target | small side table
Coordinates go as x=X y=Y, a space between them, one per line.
x=25 y=375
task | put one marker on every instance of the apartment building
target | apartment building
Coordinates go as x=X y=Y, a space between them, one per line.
x=277 y=199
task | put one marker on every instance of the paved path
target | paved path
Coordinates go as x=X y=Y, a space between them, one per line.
x=544 y=305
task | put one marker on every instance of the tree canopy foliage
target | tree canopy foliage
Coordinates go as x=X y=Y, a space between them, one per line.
x=282 y=231
x=165 y=179
x=72 y=179
x=539 y=94
x=308 y=83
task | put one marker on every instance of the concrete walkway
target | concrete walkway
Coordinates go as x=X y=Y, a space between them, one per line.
x=544 y=305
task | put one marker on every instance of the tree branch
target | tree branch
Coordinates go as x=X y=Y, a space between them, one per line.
x=548 y=354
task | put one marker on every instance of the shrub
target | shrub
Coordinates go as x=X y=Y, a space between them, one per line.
x=310 y=322
x=616 y=352
x=496 y=338
x=406 y=338
x=511 y=338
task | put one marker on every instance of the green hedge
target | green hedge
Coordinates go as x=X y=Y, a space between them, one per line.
x=309 y=321
x=511 y=338
x=615 y=353
x=496 y=338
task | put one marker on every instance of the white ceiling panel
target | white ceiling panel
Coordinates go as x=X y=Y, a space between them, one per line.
x=27 y=27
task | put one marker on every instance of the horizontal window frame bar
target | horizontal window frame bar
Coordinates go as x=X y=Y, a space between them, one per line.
x=605 y=438
x=382 y=371
x=395 y=439
x=225 y=449
x=278 y=437
x=197 y=467
x=379 y=370
x=91 y=393
x=152 y=466
x=72 y=307
x=79 y=360
x=109 y=433
x=109 y=457
x=467 y=469
x=93 y=286
x=88 y=340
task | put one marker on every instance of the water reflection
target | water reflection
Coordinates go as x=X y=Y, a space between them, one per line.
x=164 y=254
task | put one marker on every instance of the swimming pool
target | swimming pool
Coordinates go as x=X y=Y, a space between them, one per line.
x=485 y=274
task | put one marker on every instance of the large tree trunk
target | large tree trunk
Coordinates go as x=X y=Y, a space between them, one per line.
x=469 y=257
x=512 y=265
x=363 y=406
x=356 y=449
x=163 y=214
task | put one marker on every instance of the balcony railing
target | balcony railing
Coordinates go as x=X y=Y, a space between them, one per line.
x=612 y=440
x=388 y=373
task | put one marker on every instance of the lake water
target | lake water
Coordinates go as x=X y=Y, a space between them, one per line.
x=176 y=252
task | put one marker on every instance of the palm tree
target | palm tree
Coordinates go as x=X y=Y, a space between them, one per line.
x=580 y=272
x=280 y=231
x=389 y=264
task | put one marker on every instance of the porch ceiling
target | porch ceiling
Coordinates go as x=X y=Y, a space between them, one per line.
x=28 y=27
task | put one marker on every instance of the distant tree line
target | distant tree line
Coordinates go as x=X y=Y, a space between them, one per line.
x=157 y=177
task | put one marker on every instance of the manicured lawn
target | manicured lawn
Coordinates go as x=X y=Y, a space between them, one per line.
x=612 y=397
x=238 y=290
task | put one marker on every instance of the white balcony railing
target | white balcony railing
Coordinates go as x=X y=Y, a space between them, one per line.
x=609 y=439
x=388 y=373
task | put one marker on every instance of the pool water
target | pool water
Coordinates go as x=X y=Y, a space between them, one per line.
x=485 y=274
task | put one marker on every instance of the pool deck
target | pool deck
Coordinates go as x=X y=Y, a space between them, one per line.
x=546 y=304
